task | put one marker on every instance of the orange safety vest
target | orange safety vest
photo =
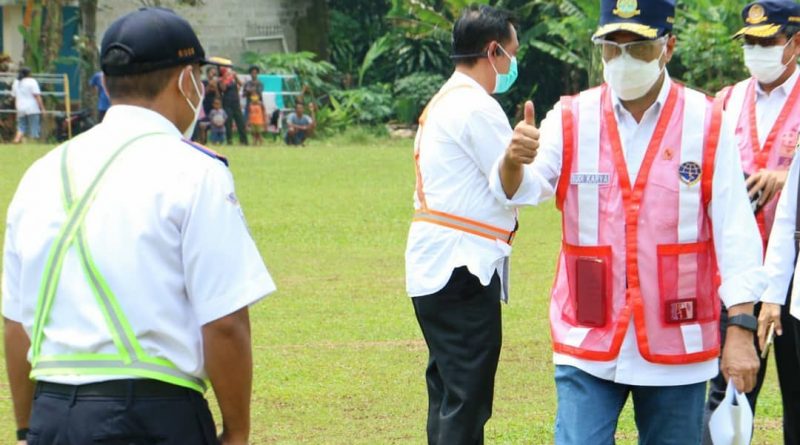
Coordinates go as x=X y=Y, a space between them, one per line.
x=455 y=222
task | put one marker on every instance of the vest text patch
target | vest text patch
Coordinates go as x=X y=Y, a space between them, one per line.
x=590 y=178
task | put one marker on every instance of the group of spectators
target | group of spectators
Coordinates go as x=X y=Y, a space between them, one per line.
x=223 y=110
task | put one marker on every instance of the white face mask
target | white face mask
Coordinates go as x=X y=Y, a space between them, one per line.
x=765 y=63
x=631 y=78
x=199 y=89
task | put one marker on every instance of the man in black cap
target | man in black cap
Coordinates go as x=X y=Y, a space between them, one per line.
x=766 y=109
x=652 y=196
x=114 y=296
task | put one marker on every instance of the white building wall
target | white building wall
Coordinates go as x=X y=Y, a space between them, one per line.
x=227 y=28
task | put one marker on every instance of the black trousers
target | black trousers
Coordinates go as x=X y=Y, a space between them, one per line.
x=234 y=112
x=787 y=361
x=178 y=418
x=462 y=328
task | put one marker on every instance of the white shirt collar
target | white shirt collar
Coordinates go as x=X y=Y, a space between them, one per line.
x=660 y=100
x=461 y=78
x=145 y=119
x=784 y=89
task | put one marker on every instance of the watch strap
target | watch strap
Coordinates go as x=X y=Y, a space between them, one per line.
x=22 y=434
x=745 y=321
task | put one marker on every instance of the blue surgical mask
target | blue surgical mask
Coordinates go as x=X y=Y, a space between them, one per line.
x=504 y=82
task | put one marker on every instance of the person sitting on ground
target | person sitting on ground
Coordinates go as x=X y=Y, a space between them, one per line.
x=216 y=118
x=256 y=118
x=299 y=125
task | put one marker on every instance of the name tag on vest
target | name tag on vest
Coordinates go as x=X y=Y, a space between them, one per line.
x=590 y=178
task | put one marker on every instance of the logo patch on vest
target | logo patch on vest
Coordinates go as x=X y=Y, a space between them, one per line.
x=690 y=172
x=679 y=311
x=590 y=178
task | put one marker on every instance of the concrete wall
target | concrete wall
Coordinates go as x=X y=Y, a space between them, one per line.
x=12 y=40
x=228 y=28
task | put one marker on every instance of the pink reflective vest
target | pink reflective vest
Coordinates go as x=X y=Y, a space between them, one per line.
x=779 y=147
x=640 y=249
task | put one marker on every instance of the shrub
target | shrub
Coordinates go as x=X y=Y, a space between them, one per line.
x=413 y=92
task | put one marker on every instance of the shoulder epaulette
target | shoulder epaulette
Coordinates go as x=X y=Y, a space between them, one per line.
x=207 y=151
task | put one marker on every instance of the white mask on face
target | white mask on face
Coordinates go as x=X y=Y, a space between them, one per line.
x=199 y=89
x=631 y=78
x=765 y=63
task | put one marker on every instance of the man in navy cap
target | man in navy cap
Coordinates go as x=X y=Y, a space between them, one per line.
x=653 y=205
x=766 y=109
x=114 y=296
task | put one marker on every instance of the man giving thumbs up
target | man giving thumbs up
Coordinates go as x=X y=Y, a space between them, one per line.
x=460 y=240
x=650 y=188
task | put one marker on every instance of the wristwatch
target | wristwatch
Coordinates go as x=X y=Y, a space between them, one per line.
x=744 y=321
x=22 y=434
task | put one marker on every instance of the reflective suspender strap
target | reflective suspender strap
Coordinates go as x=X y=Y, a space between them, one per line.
x=424 y=214
x=465 y=225
x=131 y=359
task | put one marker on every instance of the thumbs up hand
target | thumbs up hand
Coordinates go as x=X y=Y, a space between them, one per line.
x=525 y=142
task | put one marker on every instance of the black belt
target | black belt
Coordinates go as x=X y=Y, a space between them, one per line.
x=116 y=388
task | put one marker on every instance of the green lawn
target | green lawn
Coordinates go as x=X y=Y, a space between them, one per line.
x=339 y=358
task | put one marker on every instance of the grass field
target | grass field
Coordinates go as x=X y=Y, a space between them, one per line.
x=339 y=358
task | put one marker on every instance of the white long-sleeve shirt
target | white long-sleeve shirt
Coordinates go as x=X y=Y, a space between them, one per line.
x=736 y=238
x=781 y=249
x=465 y=132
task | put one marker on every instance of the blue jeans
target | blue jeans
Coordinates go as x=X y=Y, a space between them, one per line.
x=589 y=408
x=217 y=135
x=29 y=125
x=296 y=138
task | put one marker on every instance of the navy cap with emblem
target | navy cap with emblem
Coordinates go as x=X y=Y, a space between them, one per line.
x=147 y=40
x=767 y=18
x=650 y=19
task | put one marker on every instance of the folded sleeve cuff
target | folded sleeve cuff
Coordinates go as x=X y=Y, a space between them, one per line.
x=744 y=287
x=774 y=295
x=531 y=191
x=246 y=295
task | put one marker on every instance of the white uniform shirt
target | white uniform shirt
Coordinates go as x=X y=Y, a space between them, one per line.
x=25 y=92
x=736 y=238
x=165 y=230
x=779 y=263
x=464 y=134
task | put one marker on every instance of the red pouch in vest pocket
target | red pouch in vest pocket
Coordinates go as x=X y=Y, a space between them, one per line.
x=686 y=282
x=590 y=276
x=590 y=280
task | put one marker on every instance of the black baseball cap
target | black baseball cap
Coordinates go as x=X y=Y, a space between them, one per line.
x=150 y=39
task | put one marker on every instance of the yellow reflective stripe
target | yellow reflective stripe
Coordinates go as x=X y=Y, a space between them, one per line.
x=100 y=367
x=132 y=359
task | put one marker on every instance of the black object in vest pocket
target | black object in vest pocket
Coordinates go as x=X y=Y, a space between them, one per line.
x=591 y=291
